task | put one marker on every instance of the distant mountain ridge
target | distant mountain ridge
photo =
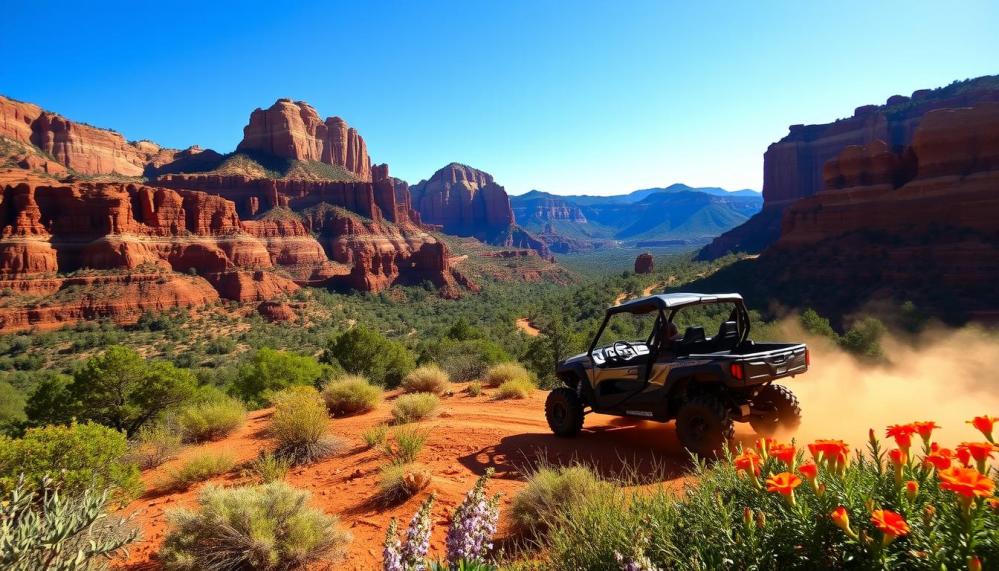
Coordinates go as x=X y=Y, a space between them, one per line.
x=674 y=213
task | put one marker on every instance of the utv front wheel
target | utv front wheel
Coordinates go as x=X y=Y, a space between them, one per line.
x=780 y=410
x=703 y=426
x=564 y=411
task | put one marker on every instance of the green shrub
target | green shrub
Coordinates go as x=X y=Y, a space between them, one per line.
x=49 y=530
x=551 y=490
x=269 y=468
x=474 y=389
x=12 y=403
x=503 y=372
x=515 y=389
x=301 y=426
x=398 y=482
x=815 y=324
x=77 y=457
x=408 y=442
x=269 y=371
x=154 y=445
x=211 y=420
x=864 y=339
x=375 y=436
x=463 y=359
x=269 y=528
x=427 y=379
x=200 y=468
x=366 y=352
x=351 y=394
x=117 y=388
x=413 y=407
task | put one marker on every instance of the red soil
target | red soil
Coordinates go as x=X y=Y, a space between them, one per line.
x=525 y=325
x=469 y=435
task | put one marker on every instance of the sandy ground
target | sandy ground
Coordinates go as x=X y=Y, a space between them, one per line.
x=469 y=435
x=525 y=325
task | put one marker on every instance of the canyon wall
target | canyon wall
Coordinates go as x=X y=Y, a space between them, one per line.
x=83 y=148
x=463 y=200
x=293 y=130
x=793 y=168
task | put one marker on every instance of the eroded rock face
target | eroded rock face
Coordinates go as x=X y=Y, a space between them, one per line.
x=293 y=130
x=923 y=219
x=463 y=200
x=644 y=263
x=80 y=147
x=795 y=167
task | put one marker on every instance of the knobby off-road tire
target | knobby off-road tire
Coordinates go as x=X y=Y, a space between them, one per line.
x=704 y=426
x=785 y=410
x=564 y=412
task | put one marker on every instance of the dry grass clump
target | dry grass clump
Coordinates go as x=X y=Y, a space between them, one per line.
x=301 y=426
x=549 y=491
x=153 y=445
x=474 y=389
x=405 y=446
x=414 y=407
x=515 y=389
x=269 y=527
x=200 y=468
x=351 y=394
x=427 y=379
x=375 y=436
x=398 y=482
x=211 y=420
x=503 y=372
x=269 y=468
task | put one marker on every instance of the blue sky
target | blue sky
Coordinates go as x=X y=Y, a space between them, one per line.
x=567 y=97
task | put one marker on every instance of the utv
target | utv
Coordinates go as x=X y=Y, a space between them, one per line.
x=704 y=383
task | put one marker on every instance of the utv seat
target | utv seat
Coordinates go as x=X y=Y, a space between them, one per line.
x=693 y=334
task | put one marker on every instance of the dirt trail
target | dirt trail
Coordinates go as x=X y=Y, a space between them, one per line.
x=525 y=325
x=468 y=436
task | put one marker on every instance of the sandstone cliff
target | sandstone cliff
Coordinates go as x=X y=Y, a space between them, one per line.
x=793 y=167
x=293 y=130
x=463 y=200
x=83 y=148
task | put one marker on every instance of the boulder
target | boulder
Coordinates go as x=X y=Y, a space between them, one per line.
x=644 y=263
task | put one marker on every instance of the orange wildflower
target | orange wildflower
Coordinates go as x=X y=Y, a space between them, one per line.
x=964 y=455
x=832 y=451
x=809 y=470
x=911 y=489
x=783 y=452
x=890 y=524
x=748 y=461
x=993 y=503
x=764 y=444
x=841 y=519
x=898 y=457
x=967 y=482
x=984 y=425
x=784 y=483
x=974 y=563
x=902 y=433
x=980 y=451
x=939 y=458
x=925 y=429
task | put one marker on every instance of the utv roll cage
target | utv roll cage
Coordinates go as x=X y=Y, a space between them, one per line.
x=667 y=305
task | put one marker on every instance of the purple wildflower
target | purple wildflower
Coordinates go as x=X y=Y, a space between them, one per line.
x=414 y=551
x=391 y=557
x=469 y=539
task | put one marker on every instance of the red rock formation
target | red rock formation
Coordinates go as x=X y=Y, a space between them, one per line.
x=924 y=218
x=793 y=168
x=644 y=263
x=463 y=200
x=293 y=130
x=83 y=148
x=276 y=311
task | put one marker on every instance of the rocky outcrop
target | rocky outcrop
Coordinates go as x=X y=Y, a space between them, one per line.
x=644 y=263
x=920 y=223
x=83 y=148
x=794 y=167
x=463 y=200
x=276 y=311
x=550 y=209
x=293 y=130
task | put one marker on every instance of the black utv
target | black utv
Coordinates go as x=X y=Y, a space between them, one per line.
x=703 y=382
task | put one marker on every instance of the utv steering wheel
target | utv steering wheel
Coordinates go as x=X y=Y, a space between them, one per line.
x=620 y=354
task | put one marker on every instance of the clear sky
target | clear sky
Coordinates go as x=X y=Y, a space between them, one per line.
x=567 y=97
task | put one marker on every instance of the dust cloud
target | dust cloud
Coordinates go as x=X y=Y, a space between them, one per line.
x=944 y=375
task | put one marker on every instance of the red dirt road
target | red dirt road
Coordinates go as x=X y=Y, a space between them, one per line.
x=469 y=435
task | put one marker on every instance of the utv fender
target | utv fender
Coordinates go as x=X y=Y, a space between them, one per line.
x=686 y=377
x=575 y=377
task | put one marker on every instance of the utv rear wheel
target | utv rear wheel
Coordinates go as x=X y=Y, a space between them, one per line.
x=703 y=426
x=782 y=410
x=564 y=411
